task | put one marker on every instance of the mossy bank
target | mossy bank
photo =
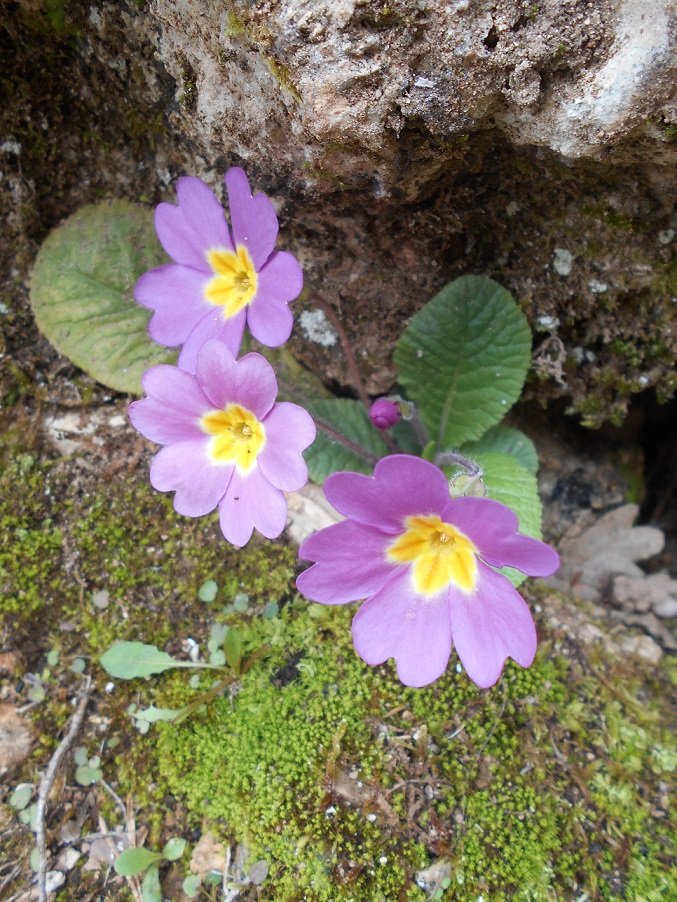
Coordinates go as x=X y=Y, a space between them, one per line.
x=551 y=785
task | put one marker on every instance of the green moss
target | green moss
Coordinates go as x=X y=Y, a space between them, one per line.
x=30 y=543
x=548 y=782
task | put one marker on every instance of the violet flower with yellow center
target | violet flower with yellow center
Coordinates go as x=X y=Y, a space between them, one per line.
x=228 y=444
x=426 y=565
x=218 y=283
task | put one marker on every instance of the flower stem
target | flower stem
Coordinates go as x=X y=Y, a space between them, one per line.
x=353 y=369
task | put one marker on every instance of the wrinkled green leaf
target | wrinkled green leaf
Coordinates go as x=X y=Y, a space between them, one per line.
x=463 y=359
x=82 y=292
x=505 y=440
x=512 y=484
x=151 y=891
x=133 y=861
x=174 y=848
x=348 y=418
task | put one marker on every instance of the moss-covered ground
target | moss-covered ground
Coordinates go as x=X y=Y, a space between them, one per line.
x=551 y=785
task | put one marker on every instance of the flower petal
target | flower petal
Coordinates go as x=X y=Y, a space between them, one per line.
x=251 y=501
x=289 y=429
x=490 y=625
x=270 y=321
x=253 y=218
x=402 y=485
x=492 y=527
x=281 y=279
x=394 y=623
x=249 y=381
x=197 y=224
x=173 y=408
x=351 y=563
x=186 y=468
x=176 y=295
x=213 y=325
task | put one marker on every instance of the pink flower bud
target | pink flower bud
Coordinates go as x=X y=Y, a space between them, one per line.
x=384 y=413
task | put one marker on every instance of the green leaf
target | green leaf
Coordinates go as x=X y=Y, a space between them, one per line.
x=82 y=292
x=133 y=861
x=153 y=714
x=87 y=775
x=129 y=660
x=349 y=419
x=151 y=891
x=21 y=796
x=232 y=647
x=504 y=440
x=207 y=591
x=512 y=484
x=191 y=885
x=463 y=359
x=174 y=848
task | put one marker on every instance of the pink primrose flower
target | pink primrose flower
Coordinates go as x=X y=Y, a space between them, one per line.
x=425 y=563
x=217 y=283
x=384 y=413
x=227 y=443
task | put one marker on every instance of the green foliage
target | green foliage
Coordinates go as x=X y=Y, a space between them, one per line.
x=131 y=862
x=463 y=359
x=82 y=292
x=505 y=440
x=129 y=660
x=349 y=419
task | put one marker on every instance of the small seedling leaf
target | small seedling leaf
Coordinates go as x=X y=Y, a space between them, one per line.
x=151 y=891
x=232 y=646
x=207 y=591
x=133 y=861
x=191 y=885
x=129 y=660
x=153 y=714
x=174 y=848
x=21 y=796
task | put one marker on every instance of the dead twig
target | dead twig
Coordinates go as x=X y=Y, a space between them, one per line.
x=48 y=781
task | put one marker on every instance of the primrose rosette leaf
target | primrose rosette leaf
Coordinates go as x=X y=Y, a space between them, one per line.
x=507 y=481
x=463 y=359
x=82 y=292
x=504 y=440
x=361 y=447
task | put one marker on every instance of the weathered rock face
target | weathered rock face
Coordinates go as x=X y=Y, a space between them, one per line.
x=408 y=142
x=337 y=82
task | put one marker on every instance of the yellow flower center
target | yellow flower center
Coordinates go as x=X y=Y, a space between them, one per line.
x=440 y=555
x=238 y=436
x=235 y=281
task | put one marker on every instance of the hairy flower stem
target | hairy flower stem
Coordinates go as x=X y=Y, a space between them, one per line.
x=353 y=369
x=453 y=458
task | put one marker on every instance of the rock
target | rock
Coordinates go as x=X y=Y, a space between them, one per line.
x=644 y=647
x=657 y=593
x=430 y=878
x=15 y=738
x=606 y=549
x=309 y=511
x=208 y=855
